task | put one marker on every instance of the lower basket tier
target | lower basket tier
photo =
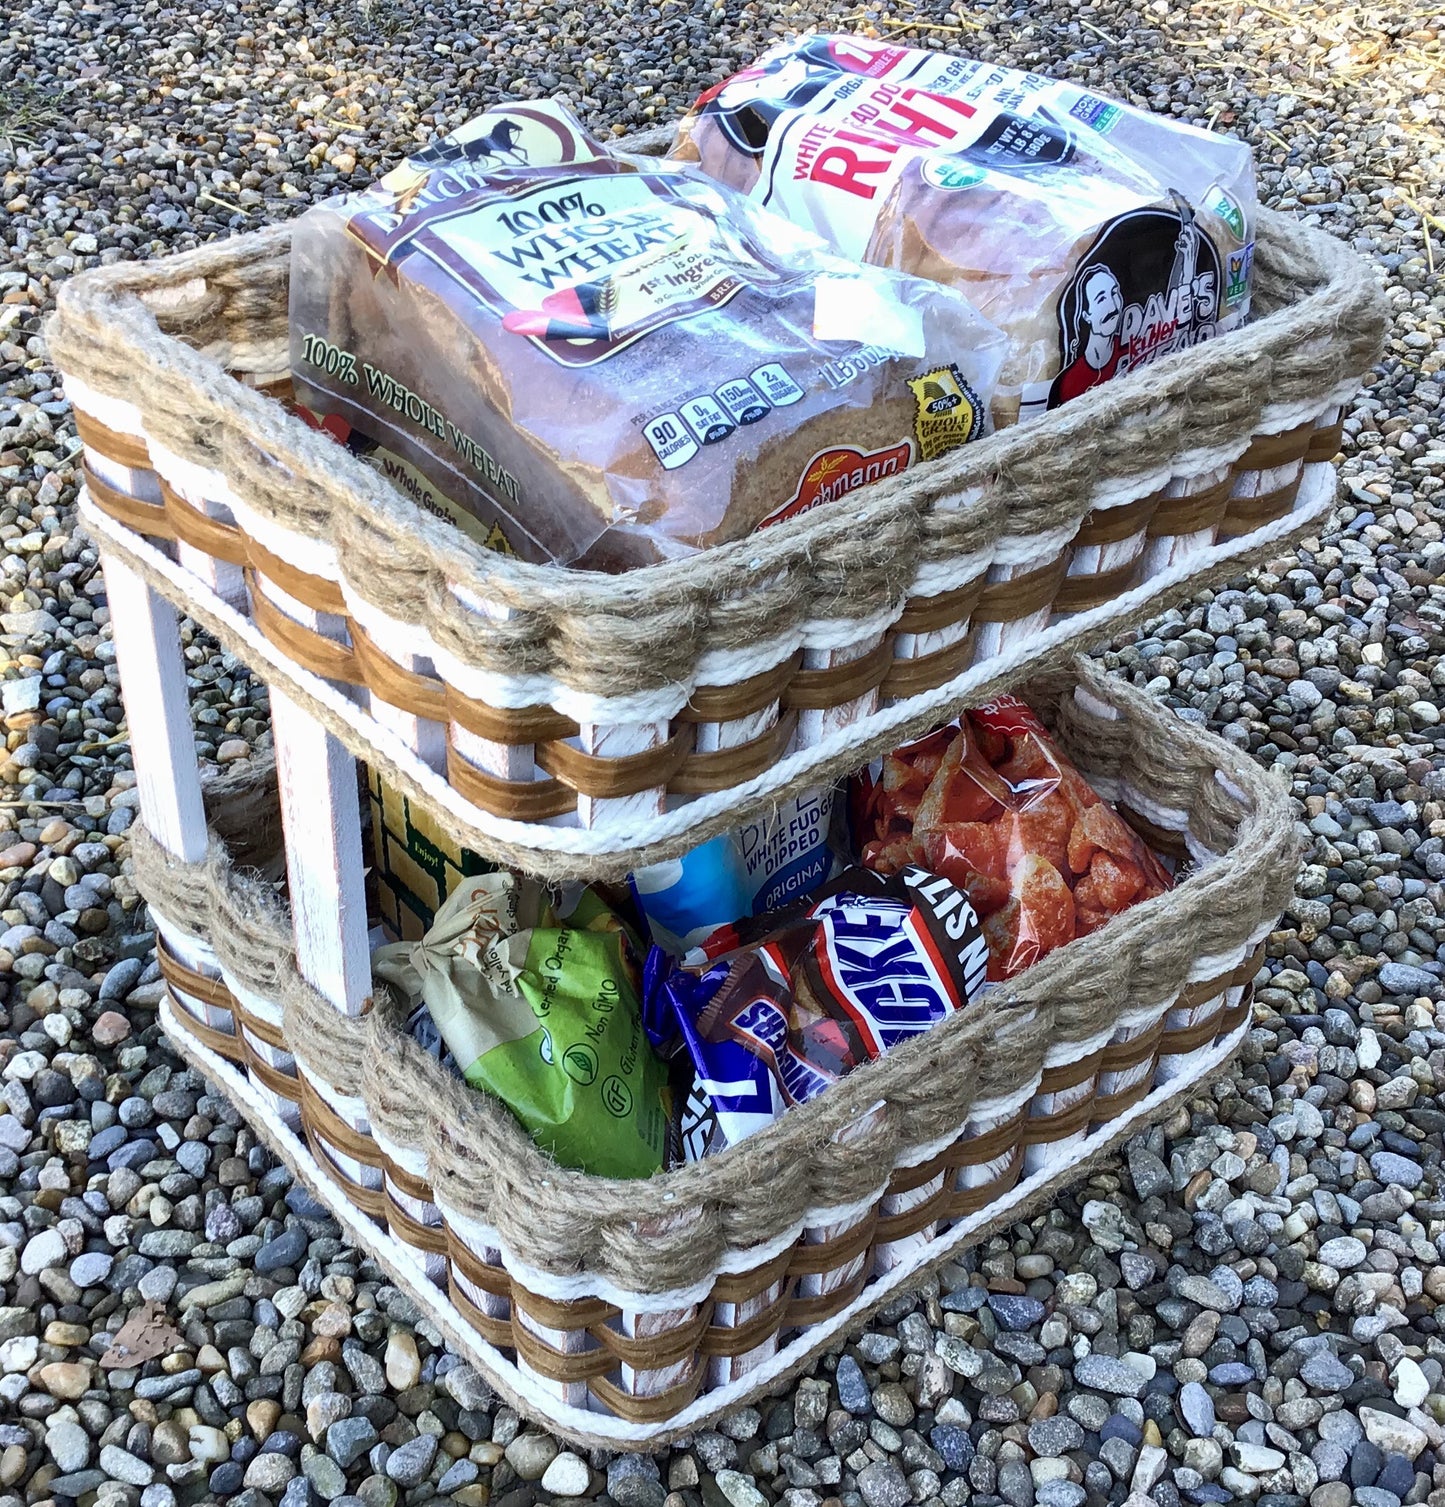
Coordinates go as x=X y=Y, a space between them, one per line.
x=446 y=1291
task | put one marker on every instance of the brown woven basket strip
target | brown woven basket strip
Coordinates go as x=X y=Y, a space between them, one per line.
x=1024 y=595
x=222 y=1043
x=495 y=1331
x=803 y=1313
x=1326 y=443
x=283 y=1085
x=909 y=677
x=148 y=518
x=305 y=646
x=222 y=541
x=1268 y=450
x=702 y=773
x=1247 y=513
x=1114 y=525
x=966 y=1201
x=821 y=689
x=626 y=774
x=201 y=986
x=548 y=798
x=1192 y=513
x=507 y=724
x=421 y=695
x=910 y=1221
x=124 y=449
x=650 y=1407
x=1079 y=593
x=737 y=1339
x=647 y=629
x=534 y=802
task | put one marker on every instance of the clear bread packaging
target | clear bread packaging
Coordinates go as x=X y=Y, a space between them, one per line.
x=605 y=362
x=1098 y=236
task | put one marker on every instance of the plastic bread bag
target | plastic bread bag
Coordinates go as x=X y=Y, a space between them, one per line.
x=992 y=803
x=610 y=362
x=776 y=858
x=776 y=1008
x=1098 y=236
x=545 y=1015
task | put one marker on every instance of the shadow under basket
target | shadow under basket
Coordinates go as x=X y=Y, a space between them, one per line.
x=623 y=1314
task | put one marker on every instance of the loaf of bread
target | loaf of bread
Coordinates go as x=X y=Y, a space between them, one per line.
x=1097 y=236
x=608 y=362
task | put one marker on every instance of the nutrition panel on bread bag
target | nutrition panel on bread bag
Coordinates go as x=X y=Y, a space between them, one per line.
x=709 y=417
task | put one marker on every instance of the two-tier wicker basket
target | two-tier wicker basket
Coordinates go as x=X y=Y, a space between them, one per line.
x=578 y=726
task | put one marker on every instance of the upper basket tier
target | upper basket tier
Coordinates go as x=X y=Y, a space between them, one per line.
x=577 y=724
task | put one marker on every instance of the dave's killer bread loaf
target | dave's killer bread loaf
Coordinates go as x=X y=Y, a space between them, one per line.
x=1098 y=236
x=606 y=363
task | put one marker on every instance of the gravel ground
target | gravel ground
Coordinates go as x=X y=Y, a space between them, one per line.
x=1242 y=1308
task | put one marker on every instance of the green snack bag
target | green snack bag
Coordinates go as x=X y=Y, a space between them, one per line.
x=546 y=1016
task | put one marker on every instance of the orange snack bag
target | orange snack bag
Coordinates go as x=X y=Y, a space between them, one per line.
x=992 y=804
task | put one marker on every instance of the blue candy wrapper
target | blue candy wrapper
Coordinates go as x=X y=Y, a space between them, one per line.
x=775 y=1009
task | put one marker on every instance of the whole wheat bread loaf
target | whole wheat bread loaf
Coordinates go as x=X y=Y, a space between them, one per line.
x=606 y=362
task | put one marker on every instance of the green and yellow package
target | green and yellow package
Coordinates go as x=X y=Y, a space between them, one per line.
x=545 y=1014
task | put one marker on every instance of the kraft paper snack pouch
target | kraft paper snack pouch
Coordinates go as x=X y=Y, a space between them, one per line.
x=608 y=362
x=545 y=1015
x=775 y=1009
x=1098 y=236
x=992 y=803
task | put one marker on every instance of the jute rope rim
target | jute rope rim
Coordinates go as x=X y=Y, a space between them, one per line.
x=615 y=862
x=123 y=331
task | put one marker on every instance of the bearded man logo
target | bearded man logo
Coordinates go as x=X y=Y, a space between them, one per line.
x=1094 y=355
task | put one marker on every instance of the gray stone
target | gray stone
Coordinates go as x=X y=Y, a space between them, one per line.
x=68 y=1445
x=44 y=1250
x=270 y=1472
x=852 y=1387
x=121 y=1466
x=349 y=1438
x=1196 y=1407
x=1208 y=1294
x=408 y=1464
x=1150 y=1175
x=568 y=1476
x=467 y=1389
x=1325 y=1372
x=1389 y=1167
x=1402 y=979
x=882 y=1485
x=1106 y=1374
x=91 y=1268
x=1344 y=1253
x=287 y=1249
x=1055 y=1436
x=740 y=1490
